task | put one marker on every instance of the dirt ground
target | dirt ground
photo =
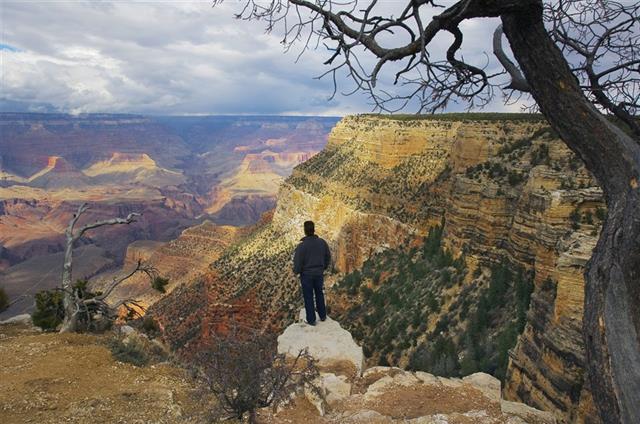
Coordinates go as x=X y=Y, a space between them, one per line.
x=50 y=378
x=72 y=378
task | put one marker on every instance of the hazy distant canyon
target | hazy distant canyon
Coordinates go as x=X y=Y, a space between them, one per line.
x=176 y=171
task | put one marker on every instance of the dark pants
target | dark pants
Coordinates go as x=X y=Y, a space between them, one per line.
x=313 y=284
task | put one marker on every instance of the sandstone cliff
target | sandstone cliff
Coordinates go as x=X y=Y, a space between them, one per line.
x=509 y=194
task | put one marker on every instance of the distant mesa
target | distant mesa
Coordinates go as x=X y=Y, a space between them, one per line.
x=276 y=142
x=121 y=162
x=58 y=173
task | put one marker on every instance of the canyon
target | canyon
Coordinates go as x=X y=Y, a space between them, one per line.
x=459 y=245
x=176 y=172
x=459 y=240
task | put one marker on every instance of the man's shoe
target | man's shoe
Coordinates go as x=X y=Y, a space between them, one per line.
x=323 y=319
x=310 y=323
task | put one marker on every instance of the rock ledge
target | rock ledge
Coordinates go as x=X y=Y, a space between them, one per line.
x=329 y=343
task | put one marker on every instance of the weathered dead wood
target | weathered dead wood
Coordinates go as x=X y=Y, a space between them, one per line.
x=72 y=305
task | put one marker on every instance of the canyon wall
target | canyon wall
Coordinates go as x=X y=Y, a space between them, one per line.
x=506 y=190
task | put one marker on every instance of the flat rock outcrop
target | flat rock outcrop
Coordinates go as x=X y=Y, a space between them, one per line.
x=389 y=394
x=326 y=341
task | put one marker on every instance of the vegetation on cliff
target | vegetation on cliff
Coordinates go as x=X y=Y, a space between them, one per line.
x=415 y=308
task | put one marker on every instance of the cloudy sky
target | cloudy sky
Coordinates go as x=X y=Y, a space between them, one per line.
x=168 y=57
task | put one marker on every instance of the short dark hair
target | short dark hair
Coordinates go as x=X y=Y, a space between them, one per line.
x=309 y=228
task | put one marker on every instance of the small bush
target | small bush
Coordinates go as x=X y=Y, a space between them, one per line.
x=150 y=326
x=131 y=351
x=515 y=178
x=245 y=373
x=587 y=217
x=49 y=311
x=4 y=300
x=540 y=155
x=159 y=283
x=136 y=349
x=575 y=219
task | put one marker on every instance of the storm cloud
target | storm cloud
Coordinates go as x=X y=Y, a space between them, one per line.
x=164 y=57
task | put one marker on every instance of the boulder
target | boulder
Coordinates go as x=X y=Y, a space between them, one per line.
x=327 y=342
x=487 y=384
x=24 y=319
x=454 y=383
x=336 y=387
x=126 y=330
x=427 y=378
x=365 y=416
x=382 y=385
x=526 y=413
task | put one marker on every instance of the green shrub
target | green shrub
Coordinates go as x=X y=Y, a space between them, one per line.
x=4 y=300
x=159 y=283
x=515 y=178
x=150 y=326
x=49 y=311
x=588 y=217
x=540 y=155
x=575 y=219
x=136 y=349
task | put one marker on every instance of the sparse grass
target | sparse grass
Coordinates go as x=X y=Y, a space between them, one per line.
x=136 y=349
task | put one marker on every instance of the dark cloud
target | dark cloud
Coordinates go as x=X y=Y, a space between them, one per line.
x=165 y=58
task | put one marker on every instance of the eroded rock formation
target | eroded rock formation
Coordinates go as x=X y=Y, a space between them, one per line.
x=505 y=188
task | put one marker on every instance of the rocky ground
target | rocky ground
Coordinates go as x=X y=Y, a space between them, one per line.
x=388 y=394
x=73 y=378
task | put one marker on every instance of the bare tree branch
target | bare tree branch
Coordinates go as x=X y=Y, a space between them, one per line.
x=518 y=82
x=603 y=36
x=71 y=299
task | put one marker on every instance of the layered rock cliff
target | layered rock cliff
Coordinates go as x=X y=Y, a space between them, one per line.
x=513 y=202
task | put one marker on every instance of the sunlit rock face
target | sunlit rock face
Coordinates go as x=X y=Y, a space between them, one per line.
x=504 y=187
x=327 y=342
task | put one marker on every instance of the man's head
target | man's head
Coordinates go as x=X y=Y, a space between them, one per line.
x=309 y=228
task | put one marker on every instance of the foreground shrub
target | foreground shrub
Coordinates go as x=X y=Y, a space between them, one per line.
x=245 y=372
x=136 y=349
x=49 y=311
x=150 y=326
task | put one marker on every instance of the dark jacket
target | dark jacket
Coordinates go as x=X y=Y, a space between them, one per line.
x=312 y=256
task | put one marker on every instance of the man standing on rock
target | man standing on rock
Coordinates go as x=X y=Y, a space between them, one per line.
x=311 y=259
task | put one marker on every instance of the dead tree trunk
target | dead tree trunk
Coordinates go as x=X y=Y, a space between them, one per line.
x=612 y=299
x=70 y=300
